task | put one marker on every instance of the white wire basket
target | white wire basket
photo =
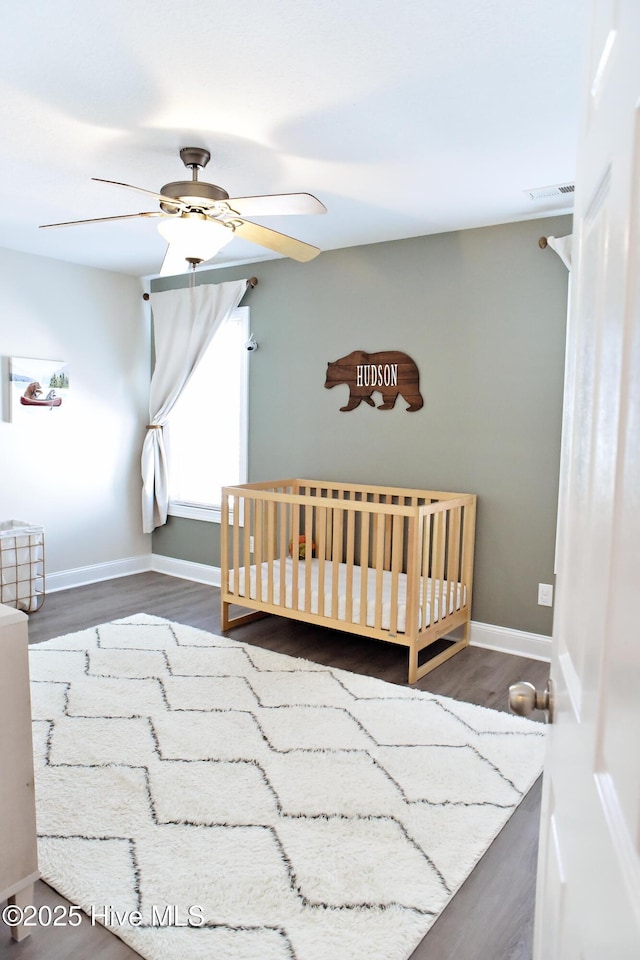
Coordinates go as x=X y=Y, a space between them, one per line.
x=21 y=565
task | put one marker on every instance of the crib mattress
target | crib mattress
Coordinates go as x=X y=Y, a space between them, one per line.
x=454 y=592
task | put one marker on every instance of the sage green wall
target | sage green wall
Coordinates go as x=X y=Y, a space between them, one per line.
x=483 y=314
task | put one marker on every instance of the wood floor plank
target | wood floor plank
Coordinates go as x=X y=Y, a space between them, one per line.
x=491 y=916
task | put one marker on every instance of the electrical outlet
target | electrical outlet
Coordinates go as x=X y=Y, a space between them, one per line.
x=251 y=545
x=545 y=594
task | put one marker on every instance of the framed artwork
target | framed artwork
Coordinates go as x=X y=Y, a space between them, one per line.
x=36 y=385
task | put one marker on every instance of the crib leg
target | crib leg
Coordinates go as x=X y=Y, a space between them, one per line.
x=224 y=615
x=227 y=622
x=413 y=663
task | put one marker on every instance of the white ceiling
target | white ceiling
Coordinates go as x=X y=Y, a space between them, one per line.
x=405 y=117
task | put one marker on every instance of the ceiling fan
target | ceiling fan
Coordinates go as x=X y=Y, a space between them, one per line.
x=198 y=219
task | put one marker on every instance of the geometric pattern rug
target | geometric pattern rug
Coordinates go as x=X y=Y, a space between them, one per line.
x=203 y=798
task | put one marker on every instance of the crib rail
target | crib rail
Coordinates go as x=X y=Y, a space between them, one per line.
x=390 y=563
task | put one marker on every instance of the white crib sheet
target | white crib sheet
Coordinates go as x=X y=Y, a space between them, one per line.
x=454 y=592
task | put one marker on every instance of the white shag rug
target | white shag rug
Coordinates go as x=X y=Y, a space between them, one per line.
x=204 y=798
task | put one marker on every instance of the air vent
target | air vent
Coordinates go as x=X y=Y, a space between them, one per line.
x=550 y=193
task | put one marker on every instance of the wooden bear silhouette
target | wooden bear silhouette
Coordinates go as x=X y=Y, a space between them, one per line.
x=390 y=372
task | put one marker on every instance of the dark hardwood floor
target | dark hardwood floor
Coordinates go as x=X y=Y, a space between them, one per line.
x=491 y=916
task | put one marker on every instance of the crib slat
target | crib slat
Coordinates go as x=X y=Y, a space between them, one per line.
x=444 y=587
x=308 y=554
x=365 y=521
x=427 y=550
x=224 y=539
x=270 y=546
x=437 y=573
x=379 y=567
x=375 y=498
x=387 y=535
x=258 y=546
x=397 y=552
x=235 y=545
x=329 y=526
x=295 y=566
x=349 y=559
x=282 y=552
x=432 y=566
x=321 y=527
x=425 y=556
x=248 y=504
x=414 y=565
x=336 y=558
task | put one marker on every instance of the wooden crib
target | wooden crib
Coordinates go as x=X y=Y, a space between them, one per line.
x=381 y=562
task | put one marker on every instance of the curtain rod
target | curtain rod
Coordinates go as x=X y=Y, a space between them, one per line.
x=251 y=282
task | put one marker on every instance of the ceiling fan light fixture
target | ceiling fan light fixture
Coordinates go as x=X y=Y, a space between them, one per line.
x=195 y=236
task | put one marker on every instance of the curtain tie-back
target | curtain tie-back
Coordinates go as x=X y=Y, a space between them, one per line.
x=154 y=426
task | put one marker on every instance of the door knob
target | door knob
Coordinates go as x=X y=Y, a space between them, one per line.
x=524 y=699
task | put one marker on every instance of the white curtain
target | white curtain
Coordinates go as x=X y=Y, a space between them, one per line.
x=184 y=323
x=562 y=246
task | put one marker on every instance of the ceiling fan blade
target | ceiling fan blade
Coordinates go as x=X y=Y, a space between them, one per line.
x=279 y=242
x=149 y=193
x=276 y=204
x=124 y=216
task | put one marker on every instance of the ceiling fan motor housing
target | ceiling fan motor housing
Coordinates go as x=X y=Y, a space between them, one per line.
x=195 y=193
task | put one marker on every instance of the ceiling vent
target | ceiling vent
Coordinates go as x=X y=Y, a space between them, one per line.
x=550 y=193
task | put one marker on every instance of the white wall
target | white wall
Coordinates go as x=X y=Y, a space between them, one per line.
x=76 y=469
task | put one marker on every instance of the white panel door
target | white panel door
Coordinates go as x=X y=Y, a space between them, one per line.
x=588 y=905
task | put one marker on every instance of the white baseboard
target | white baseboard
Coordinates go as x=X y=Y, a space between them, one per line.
x=156 y=563
x=517 y=642
x=186 y=570
x=80 y=576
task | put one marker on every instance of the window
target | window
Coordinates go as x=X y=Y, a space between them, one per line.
x=207 y=430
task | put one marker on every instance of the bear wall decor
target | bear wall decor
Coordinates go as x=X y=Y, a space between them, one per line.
x=389 y=372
